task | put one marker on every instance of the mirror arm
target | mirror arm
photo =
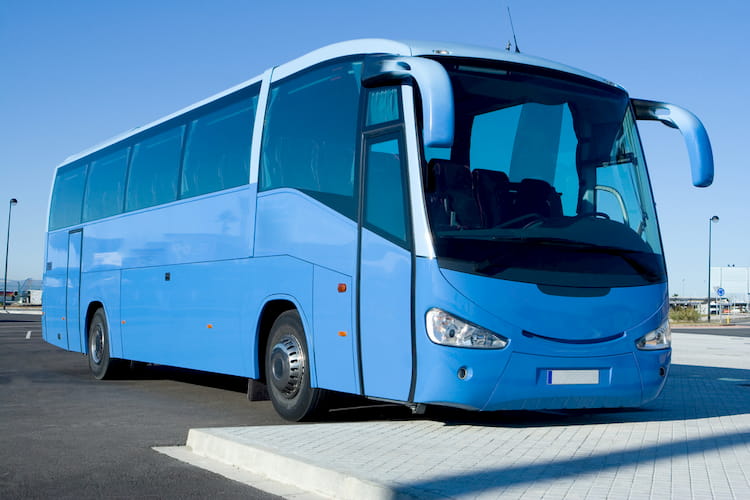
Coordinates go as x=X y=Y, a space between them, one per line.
x=693 y=131
x=434 y=87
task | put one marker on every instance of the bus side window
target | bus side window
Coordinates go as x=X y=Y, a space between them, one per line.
x=217 y=154
x=385 y=191
x=310 y=135
x=154 y=170
x=105 y=186
x=67 y=197
x=383 y=106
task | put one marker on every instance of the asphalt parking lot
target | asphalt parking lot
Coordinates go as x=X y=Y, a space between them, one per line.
x=69 y=436
x=64 y=435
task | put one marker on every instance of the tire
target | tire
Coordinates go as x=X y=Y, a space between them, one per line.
x=102 y=366
x=287 y=370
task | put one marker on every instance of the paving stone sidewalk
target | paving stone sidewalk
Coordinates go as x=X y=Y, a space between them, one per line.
x=692 y=442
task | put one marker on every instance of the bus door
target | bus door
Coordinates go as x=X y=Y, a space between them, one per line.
x=73 y=291
x=385 y=268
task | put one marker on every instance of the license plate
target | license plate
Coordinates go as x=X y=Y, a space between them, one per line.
x=572 y=377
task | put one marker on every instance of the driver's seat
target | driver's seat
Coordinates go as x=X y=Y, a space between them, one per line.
x=535 y=196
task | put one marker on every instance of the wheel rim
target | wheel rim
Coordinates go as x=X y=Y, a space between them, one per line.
x=96 y=347
x=287 y=362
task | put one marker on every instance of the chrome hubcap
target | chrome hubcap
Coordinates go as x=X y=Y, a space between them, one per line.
x=287 y=366
x=96 y=344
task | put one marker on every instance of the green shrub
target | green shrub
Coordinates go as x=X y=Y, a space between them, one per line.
x=684 y=314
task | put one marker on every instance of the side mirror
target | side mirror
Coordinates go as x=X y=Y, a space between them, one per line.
x=434 y=86
x=696 y=138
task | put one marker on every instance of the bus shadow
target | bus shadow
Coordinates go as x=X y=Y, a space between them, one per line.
x=148 y=371
x=341 y=407
x=466 y=483
x=691 y=392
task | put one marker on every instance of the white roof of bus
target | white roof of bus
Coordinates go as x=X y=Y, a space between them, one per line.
x=362 y=46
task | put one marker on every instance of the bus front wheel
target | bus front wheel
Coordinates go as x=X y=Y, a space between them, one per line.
x=288 y=370
x=102 y=366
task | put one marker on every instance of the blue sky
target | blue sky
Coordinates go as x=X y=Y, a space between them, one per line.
x=76 y=73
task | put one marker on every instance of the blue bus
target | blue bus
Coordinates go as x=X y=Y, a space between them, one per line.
x=423 y=223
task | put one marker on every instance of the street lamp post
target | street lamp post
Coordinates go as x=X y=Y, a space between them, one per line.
x=712 y=220
x=13 y=201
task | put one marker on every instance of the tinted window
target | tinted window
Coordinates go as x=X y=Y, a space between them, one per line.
x=383 y=106
x=67 y=197
x=217 y=155
x=385 y=193
x=105 y=187
x=530 y=140
x=154 y=170
x=545 y=183
x=311 y=135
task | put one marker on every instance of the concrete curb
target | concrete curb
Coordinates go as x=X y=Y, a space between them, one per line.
x=210 y=443
x=287 y=491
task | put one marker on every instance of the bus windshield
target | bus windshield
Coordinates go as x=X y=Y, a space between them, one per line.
x=545 y=183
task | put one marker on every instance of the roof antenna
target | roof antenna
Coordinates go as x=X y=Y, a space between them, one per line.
x=513 y=30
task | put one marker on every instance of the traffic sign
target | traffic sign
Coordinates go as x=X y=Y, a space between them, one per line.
x=720 y=292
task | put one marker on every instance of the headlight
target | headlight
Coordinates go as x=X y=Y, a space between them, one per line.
x=446 y=329
x=661 y=338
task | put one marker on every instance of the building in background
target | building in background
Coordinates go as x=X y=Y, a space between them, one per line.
x=25 y=292
x=734 y=283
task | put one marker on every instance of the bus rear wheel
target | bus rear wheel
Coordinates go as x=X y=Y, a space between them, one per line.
x=287 y=370
x=102 y=366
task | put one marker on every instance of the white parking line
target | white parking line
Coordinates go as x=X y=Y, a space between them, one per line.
x=28 y=335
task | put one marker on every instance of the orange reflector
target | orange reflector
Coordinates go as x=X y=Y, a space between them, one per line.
x=342 y=334
x=209 y=325
x=63 y=318
x=342 y=287
x=123 y=322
